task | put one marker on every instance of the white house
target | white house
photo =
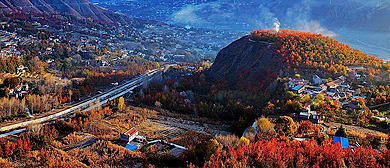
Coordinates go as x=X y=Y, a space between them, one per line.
x=21 y=69
x=129 y=135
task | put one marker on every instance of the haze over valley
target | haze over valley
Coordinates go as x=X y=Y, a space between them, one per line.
x=362 y=24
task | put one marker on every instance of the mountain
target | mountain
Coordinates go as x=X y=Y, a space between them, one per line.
x=355 y=15
x=79 y=8
x=246 y=63
x=255 y=61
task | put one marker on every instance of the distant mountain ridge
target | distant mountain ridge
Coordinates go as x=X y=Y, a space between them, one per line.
x=82 y=9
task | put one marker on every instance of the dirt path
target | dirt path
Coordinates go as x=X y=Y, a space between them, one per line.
x=357 y=129
x=208 y=129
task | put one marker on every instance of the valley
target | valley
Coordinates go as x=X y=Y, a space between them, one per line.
x=194 y=83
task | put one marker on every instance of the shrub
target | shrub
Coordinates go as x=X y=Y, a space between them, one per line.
x=285 y=126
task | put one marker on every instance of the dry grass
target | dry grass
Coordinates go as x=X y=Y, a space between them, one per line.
x=106 y=154
x=110 y=128
x=154 y=130
x=190 y=138
x=352 y=130
x=50 y=157
x=76 y=138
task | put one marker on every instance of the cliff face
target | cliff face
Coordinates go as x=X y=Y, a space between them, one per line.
x=247 y=64
x=78 y=8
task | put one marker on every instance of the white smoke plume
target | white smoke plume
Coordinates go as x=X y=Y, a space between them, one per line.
x=276 y=24
x=315 y=27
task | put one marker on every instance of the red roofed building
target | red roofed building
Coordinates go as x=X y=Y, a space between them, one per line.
x=129 y=135
x=323 y=87
x=48 y=52
x=332 y=85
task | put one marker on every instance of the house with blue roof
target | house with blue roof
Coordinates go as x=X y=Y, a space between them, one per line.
x=298 y=89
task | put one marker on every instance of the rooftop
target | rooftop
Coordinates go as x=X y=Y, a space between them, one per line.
x=343 y=141
x=130 y=132
x=297 y=87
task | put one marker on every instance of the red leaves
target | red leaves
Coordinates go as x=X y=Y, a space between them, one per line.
x=7 y=150
x=305 y=127
x=315 y=49
x=278 y=153
x=18 y=149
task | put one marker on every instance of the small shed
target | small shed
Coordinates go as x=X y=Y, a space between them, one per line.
x=343 y=141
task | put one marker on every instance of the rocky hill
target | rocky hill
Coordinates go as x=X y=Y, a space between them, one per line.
x=79 y=8
x=255 y=61
x=246 y=62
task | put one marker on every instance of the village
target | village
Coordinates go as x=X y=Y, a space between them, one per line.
x=155 y=42
x=96 y=47
x=53 y=49
x=343 y=91
x=338 y=89
x=159 y=132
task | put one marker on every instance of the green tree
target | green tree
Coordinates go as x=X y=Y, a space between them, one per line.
x=319 y=98
x=244 y=141
x=201 y=152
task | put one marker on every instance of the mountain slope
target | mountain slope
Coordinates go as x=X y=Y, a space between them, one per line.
x=79 y=8
x=256 y=60
x=247 y=63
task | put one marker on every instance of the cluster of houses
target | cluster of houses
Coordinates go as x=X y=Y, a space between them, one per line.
x=338 y=89
x=158 y=43
x=21 y=69
x=9 y=44
x=19 y=91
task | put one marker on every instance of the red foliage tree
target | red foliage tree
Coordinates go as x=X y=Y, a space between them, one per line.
x=279 y=153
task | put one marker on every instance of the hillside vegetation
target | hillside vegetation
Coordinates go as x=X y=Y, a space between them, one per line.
x=309 y=51
x=255 y=61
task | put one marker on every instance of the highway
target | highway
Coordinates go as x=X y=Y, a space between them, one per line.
x=85 y=105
